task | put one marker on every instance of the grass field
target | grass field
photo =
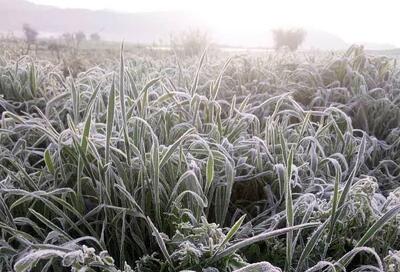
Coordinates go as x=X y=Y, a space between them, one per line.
x=149 y=161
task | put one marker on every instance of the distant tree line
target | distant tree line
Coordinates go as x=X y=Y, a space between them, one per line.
x=54 y=45
x=189 y=43
x=65 y=48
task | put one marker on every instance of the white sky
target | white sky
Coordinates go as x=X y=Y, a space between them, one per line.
x=375 y=21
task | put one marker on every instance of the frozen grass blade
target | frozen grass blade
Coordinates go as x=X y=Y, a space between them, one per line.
x=122 y=104
x=260 y=237
x=195 y=82
x=160 y=242
x=209 y=172
x=230 y=234
x=49 y=161
x=289 y=211
x=110 y=121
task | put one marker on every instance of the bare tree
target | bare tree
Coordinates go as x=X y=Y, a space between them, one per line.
x=291 y=38
x=30 y=35
x=79 y=37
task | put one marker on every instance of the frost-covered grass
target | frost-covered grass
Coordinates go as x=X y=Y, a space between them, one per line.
x=154 y=163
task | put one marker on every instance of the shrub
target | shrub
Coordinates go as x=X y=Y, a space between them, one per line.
x=291 y=38
x=190 y=43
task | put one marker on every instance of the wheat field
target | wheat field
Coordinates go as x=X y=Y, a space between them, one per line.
x=153 y=161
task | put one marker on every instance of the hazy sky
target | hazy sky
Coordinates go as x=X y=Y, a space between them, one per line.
x=353 y=20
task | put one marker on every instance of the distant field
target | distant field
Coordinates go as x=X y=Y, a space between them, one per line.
x=152 y=160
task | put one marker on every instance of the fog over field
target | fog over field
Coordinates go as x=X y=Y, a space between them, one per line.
x=152 y=22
